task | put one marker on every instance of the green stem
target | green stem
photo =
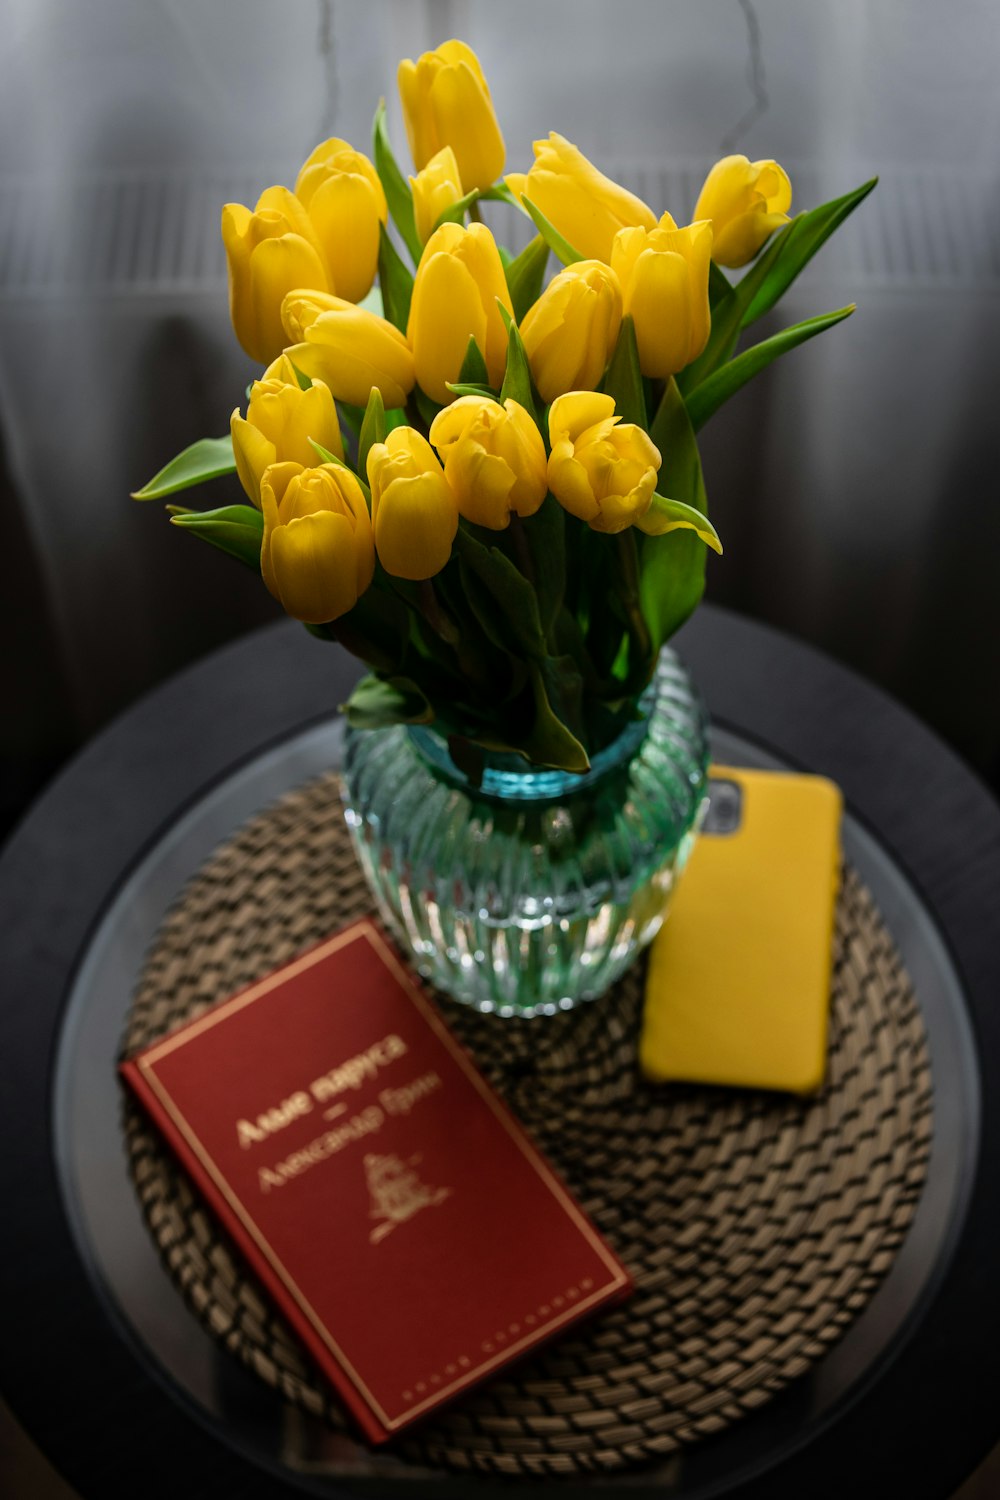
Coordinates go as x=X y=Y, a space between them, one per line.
x=475 y=213
x=642 y=641
x=436 y=615
x=522 y=551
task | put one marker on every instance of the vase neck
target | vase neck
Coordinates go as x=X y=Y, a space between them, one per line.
x=511 y=778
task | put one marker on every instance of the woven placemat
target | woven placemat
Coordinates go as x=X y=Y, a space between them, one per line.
x=756 y=1226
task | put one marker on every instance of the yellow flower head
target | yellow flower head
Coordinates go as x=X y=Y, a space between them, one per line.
x=280 y=420
x=746 y=201
x=317 y=556
x=664 y=280
x=269 y=251
x=570 y=333
x=435 y=188
x=458 y=281
x=345 y=202
x=494 y=459
x=600 y=469
x=446 y=102
x=587 y=208
x=414 y=512
x=349 y=348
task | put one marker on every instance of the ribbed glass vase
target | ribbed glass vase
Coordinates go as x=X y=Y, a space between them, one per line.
x=536 y=889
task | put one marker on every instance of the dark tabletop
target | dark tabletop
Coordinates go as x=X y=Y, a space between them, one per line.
x=915 y=1419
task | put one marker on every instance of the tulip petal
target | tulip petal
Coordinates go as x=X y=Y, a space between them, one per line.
x=415 y=525
x=276 y=267
x=253 y=453
x=345 y=213
x=467 y=123
x=313 y=566
x=445 y=312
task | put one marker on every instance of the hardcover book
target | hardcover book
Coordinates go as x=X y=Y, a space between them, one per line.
x=408 y=1228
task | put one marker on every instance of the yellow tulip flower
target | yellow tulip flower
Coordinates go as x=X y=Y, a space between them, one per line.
x=269 y=251
x=570 y=333
x=664 y=280
x=494 y=459
x=317 y=556
x=436 y=188
x=280 y=420
x=346 y=204
x=446 y=102
x=458 y=282
x=348 y=348
x=600 y=469
x=746 y=201
x=414 y=512
x=587 y=208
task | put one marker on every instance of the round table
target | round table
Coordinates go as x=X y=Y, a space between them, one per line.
x=100 y=1359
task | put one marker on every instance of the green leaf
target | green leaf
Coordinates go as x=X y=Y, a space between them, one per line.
x=517 y=625
x=304 y=380
x=474 y=371
x=205 y=459
x=525 y=276
x=397 y=190
x=706 y=398
x=331 y=458
x=545 y=533
x=736 y=307
x=561 y=247
x=373 y=429
x=680 y=472
x=236 y=529
x=426 y=406
x=378 y=702
x=395 y=281
x=500 y=193
x=665 y=515
x=455 y=212
x=792 y=249
x=672 y=568
x=459 y=388
x=623 y=379
x=517 y=382
x=719 y=286
x=549 y=742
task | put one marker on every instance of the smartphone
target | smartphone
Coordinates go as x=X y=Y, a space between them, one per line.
x=738 y=980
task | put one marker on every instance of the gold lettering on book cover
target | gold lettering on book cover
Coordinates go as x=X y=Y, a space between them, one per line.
x=397 y=1192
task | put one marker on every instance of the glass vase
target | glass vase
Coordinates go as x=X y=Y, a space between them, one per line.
x=535 y=890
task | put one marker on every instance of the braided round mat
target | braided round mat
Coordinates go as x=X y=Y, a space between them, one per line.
x=756 y=1226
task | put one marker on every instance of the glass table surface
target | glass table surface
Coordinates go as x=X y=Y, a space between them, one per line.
x=148 y=1311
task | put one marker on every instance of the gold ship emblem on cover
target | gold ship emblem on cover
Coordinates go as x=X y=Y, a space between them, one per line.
x=396 y=1192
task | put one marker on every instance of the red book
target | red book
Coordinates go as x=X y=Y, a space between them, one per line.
x=409 y=1230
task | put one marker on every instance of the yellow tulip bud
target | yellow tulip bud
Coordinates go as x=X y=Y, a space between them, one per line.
x=269 y=252
x=317 y=556
x=664 y=280
x=446 y=102
x=414 y=513
x=570 y=333
x=600 y=469
x=458 y=281
x=494 y=459
x=587 y=208
x=349 y=348
x=346 y=204
x=280 y=420
x=746 y=201
x=436 y=188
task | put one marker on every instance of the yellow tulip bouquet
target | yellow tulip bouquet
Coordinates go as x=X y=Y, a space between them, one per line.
x=486 y=483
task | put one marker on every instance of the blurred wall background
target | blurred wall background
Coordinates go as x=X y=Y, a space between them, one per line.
x=854 y=484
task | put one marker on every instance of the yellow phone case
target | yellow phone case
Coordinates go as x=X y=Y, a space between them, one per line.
x=738 y=985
